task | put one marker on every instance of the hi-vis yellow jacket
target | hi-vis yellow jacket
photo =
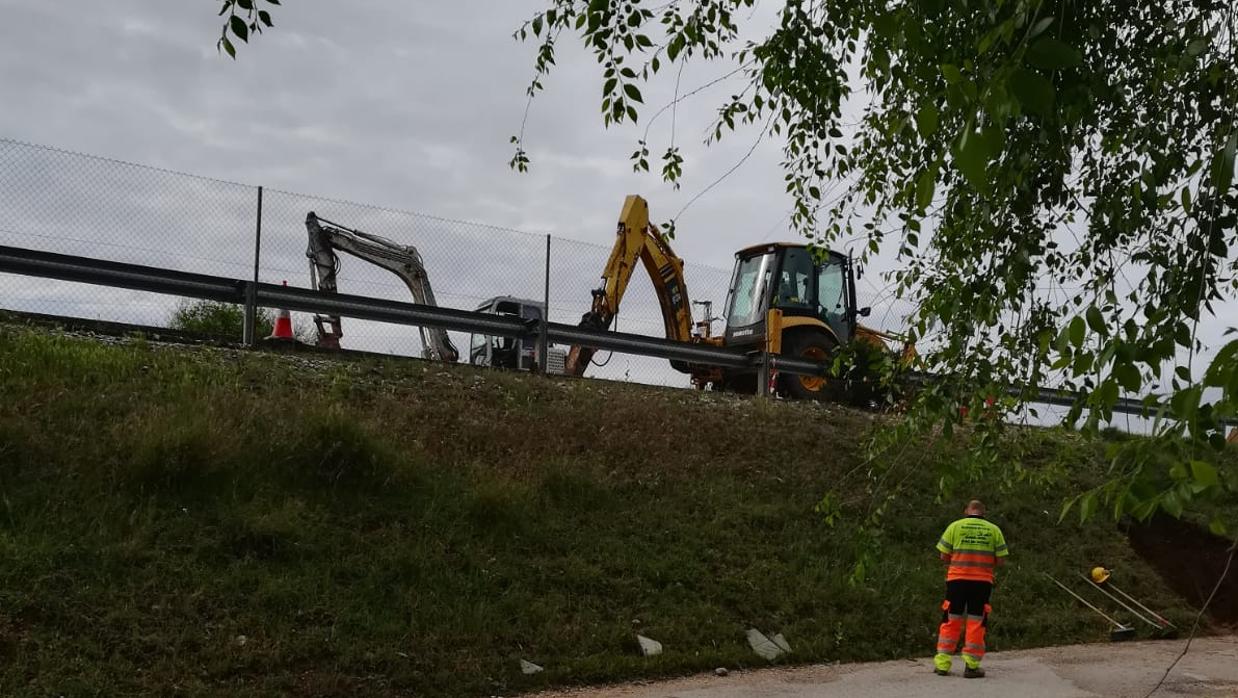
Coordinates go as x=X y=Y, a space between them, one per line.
x=973 y=545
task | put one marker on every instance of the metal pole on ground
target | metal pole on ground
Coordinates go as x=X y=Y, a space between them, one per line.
x=251 y=291
x=1119 y=602
x=543 y=343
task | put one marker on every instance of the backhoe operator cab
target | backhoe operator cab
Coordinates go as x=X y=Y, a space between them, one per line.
x=511 y=352
x=799 y=300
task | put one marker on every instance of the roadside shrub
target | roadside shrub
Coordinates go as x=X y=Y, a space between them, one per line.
x=224 y=320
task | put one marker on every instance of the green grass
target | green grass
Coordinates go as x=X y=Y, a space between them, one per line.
x=405 y=528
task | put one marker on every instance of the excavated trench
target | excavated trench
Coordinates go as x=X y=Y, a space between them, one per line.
x=1190 y=560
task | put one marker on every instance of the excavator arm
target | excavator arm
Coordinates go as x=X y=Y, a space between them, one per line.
x=636 y=239
x=325 y=238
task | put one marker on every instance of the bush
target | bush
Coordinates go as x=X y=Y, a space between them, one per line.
x=225 y=320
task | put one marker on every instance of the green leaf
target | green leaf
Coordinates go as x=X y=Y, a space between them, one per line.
x=1223 y=164
x=609 y=86
x=537 y=25
x=1096 y=321
x=1204 y=473
x=925 y=186
x=1197 y=46
x=1128 y=376
x=1033 y=91
x=1172 y=505
x=1077 y=331
x=1053 y=54
x=1040 y=27
x=1222 y=365
x=973 y=159
x=1218 y=527
x=951 y=73
x=1083 y=363
x=633 y=94
x=273 y=2
x=886 y=25
x=674 y=47
x=926 y=120
x=1087 y=507
x=1070 y=503
x=228 y=47
x=239 y=28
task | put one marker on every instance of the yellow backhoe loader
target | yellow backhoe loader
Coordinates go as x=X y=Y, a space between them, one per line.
x=784 y=298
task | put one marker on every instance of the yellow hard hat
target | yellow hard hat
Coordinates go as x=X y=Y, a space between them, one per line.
x=1100 y=575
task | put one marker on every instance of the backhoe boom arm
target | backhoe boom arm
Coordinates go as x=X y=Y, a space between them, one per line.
x=636 y=239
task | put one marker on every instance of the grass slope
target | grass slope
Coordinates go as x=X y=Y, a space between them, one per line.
x=207 y=522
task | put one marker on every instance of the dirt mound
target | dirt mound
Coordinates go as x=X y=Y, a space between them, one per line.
x=1190 y=559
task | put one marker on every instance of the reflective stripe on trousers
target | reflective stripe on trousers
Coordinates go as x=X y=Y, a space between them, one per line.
x=954 y=627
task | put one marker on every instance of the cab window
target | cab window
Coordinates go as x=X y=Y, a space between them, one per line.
x=831 y=288
x=794 y=288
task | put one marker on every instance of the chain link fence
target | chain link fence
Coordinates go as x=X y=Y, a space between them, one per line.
x=89 y=206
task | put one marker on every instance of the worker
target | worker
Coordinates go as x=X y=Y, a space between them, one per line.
x=972 y=548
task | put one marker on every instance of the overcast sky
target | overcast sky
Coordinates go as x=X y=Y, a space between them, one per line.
x=405 y=105
x=408 y=105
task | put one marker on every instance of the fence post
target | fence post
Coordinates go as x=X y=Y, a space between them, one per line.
x=251 y=293
x=543 y=344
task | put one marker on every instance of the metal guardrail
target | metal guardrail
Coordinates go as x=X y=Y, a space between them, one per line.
x=143 y=278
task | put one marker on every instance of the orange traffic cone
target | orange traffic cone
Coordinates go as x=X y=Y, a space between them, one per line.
x=283 y=324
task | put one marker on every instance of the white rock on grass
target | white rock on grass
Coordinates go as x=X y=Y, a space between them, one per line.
x=528 y=667
x=781 y=642
x=649 y=647
x=764 y=647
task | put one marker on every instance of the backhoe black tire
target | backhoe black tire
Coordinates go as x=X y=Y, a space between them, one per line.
x=817 y=346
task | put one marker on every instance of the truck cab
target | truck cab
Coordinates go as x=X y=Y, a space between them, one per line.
x=511 y=352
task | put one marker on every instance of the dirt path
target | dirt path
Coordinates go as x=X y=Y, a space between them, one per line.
x=1118 y=670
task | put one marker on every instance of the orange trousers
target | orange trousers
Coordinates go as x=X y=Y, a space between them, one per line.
x=965 y=619
x=969 y=629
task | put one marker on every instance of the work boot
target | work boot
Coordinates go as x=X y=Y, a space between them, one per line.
x=942 y=672
x=971 y=673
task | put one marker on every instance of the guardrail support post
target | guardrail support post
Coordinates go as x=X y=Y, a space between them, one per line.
x=763 y=375
x=251 y=292
x=543 y=343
